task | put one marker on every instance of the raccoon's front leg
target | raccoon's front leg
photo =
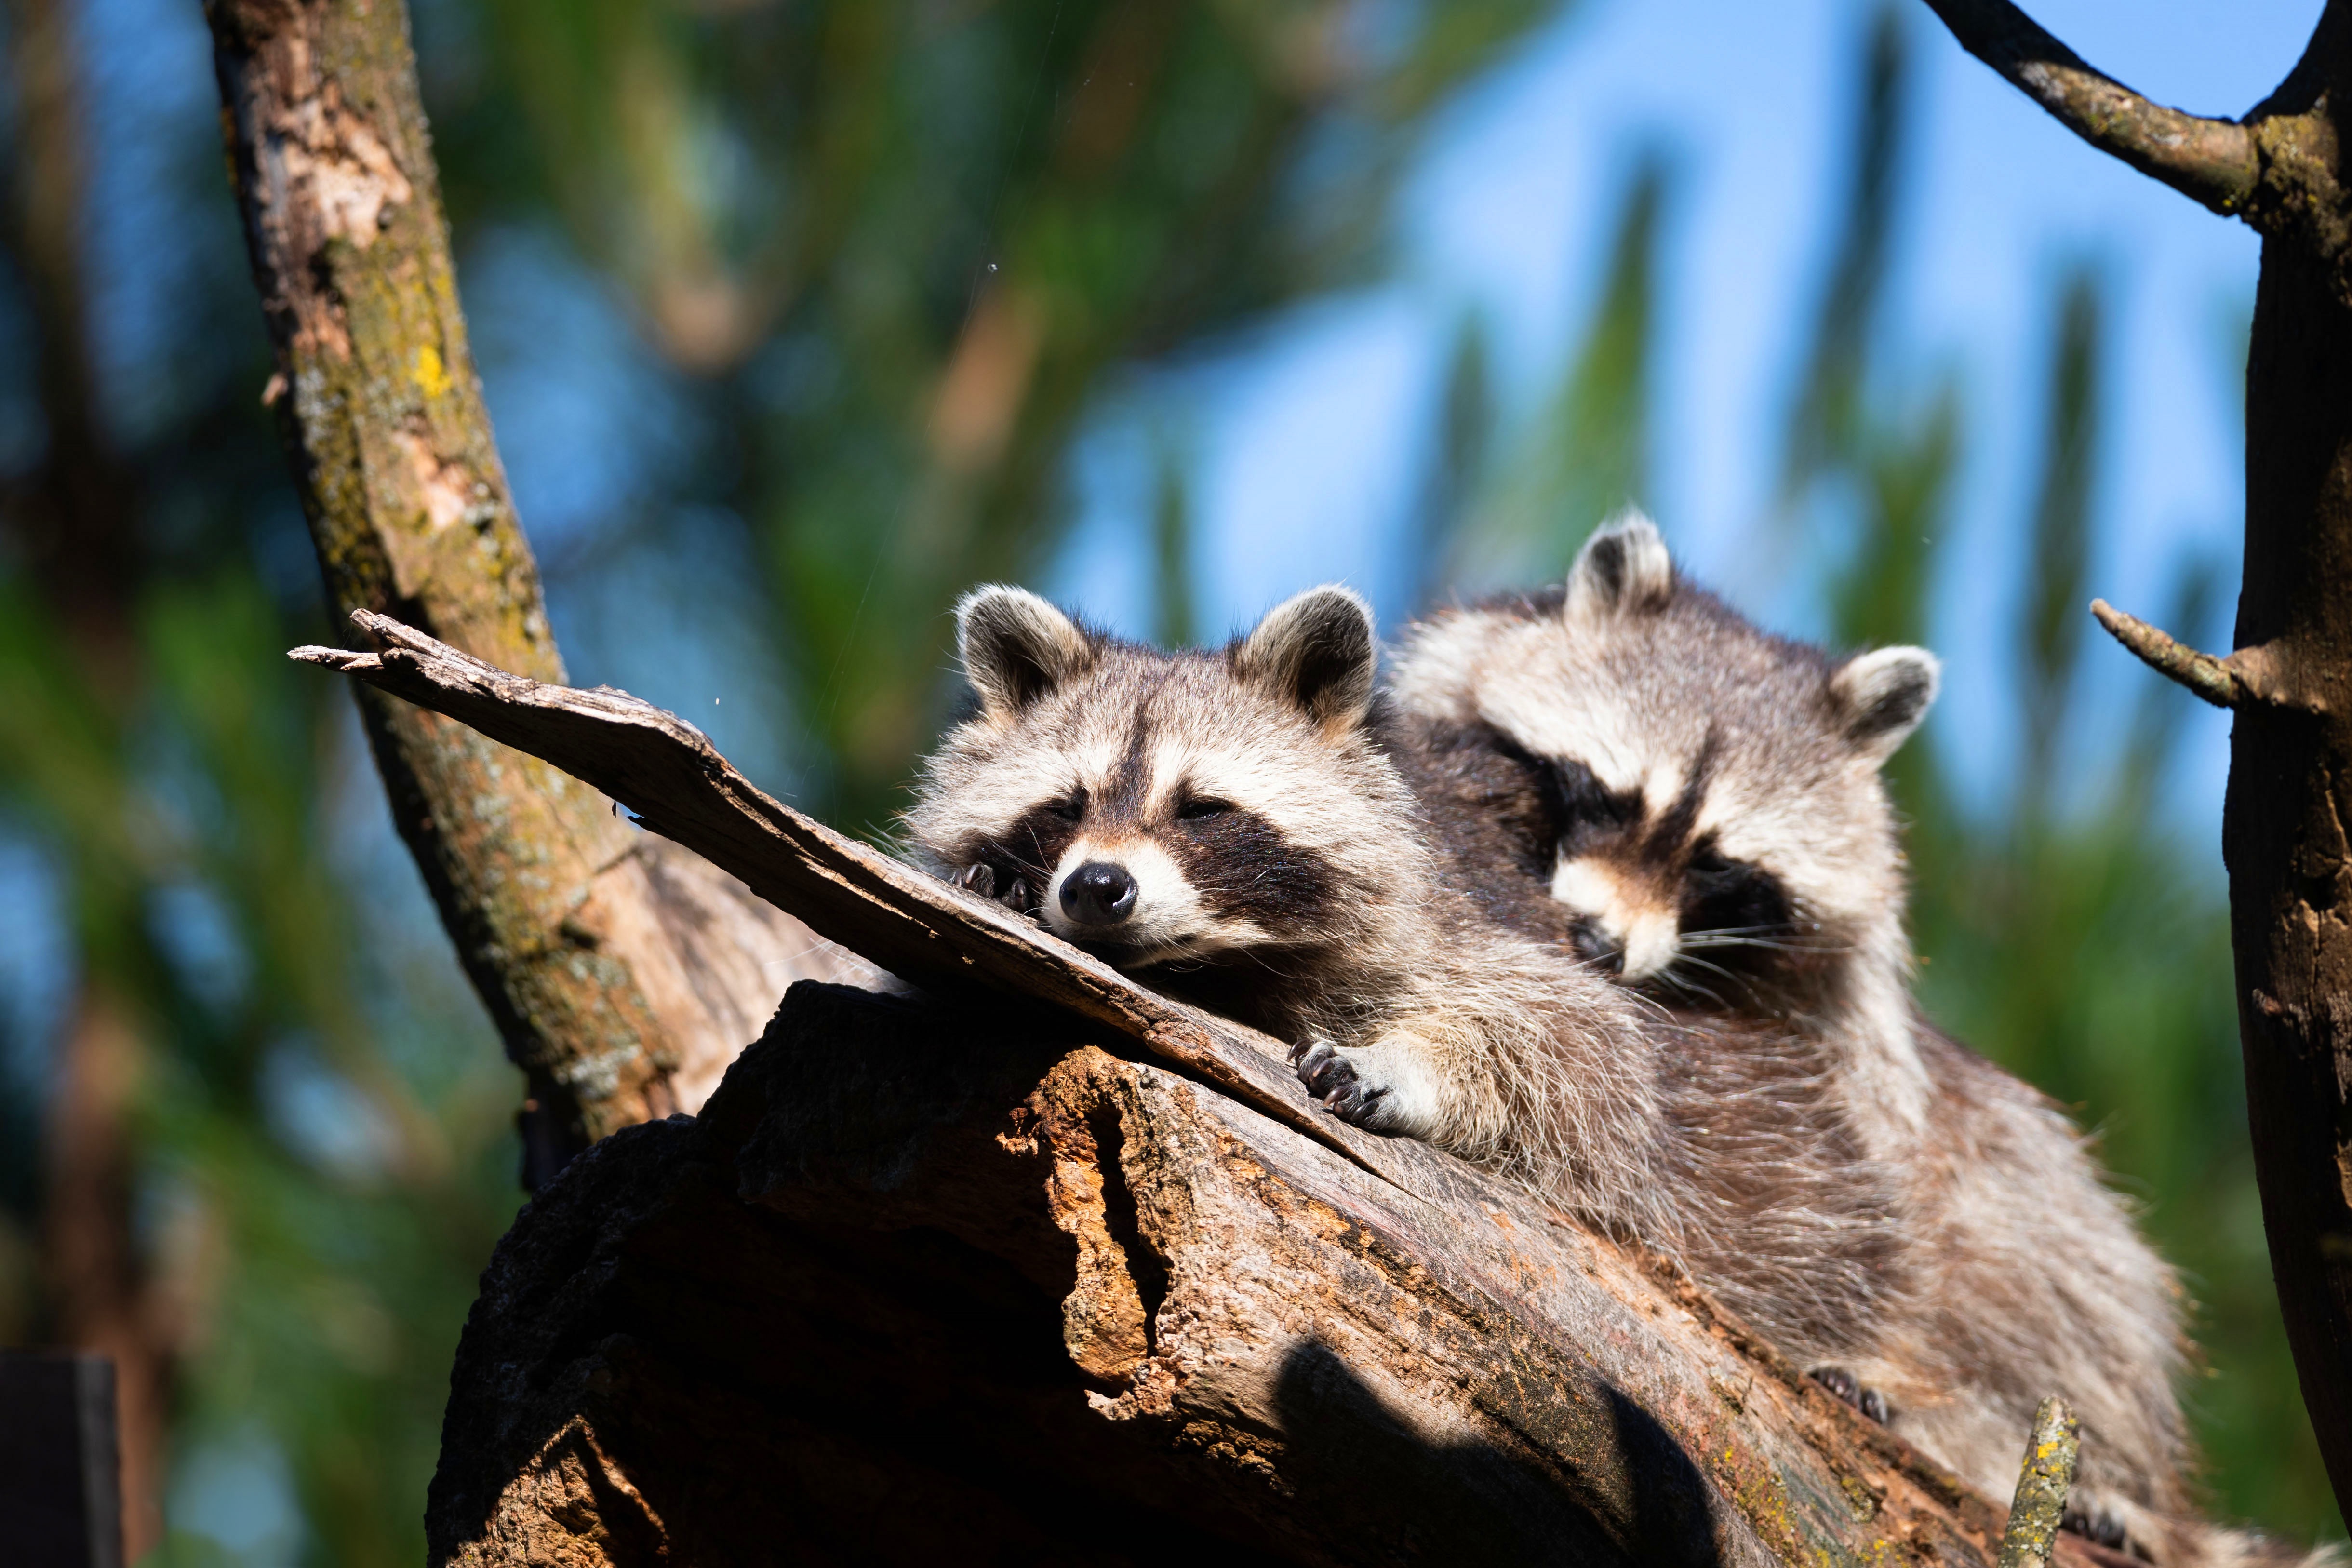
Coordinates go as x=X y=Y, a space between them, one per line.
x=1384 y=1087
x=1848 y=1387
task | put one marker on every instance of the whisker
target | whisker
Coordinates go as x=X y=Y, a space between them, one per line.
x=1718 y=939
x=1691 y=988
x=1703 y=964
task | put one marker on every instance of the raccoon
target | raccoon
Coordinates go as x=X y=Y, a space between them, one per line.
x=1643 y=777
x=1230 y=827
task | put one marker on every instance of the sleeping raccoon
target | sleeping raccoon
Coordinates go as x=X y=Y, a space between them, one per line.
x=1228 y=825
x=1647 y=779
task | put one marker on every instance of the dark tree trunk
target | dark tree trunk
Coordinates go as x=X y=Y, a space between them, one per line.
x=73 y=520
x=2283 y=830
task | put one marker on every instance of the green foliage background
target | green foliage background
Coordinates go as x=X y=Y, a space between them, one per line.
x=885 y=261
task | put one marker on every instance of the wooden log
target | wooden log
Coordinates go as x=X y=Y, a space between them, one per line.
x=917 y=1288
x=1042 y=1263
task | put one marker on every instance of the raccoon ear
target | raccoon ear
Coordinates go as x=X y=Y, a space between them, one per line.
x=1623 y=569
x=1016 y=648
x=1317 y=650
x=1881 y=696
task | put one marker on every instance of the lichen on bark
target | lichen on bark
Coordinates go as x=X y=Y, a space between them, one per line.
x=550 y=899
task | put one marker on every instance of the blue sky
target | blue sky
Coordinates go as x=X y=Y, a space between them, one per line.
x=1310 y=434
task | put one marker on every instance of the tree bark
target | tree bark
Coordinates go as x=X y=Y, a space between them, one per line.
x=2283 y=830
x=622 y=978
x=927 y=1283
x=2284 y=826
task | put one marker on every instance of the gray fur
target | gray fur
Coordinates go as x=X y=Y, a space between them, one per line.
x=1287 y=876
x=2025 y=1273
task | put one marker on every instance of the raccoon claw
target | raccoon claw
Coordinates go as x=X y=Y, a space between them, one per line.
x=981 y=879
x=1846 y=1386
x=1333 y=1079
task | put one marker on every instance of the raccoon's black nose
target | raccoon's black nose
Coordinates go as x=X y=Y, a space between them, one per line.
x=1595 y=947
x=1098 y=894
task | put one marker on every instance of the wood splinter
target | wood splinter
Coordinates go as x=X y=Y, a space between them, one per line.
x=2042 y=1482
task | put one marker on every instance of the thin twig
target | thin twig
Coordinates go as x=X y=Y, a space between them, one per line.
x=2042 y=1483
x=2201 y=673
x=2212 y=162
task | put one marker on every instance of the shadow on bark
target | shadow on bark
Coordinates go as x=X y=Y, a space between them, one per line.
x=869 y=1308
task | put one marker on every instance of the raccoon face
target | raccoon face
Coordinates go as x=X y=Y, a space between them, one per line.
x=1160 y=807
x=1699 y=800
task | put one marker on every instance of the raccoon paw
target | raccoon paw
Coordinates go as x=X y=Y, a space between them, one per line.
x=1846 y=1386
x=1013 y=892
x=1333 y=1079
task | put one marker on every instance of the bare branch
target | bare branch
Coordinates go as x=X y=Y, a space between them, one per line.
x=2249 y=677
x=2211 y=160
x=2201 y=673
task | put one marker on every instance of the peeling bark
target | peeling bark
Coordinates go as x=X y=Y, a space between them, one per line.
x=618 y=1005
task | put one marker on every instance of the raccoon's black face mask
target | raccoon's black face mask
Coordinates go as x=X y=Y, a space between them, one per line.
x=1694 y=802
x=1160 y=807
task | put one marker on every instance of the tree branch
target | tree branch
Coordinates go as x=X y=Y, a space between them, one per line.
x=2201 y=673
x=919 y=928
x=2247 y=677
x=621 y=984
x=2213 y=161
x=2052 y=1449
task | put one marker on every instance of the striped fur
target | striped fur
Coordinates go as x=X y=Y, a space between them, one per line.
x=1269 y=861
x=1626 y=768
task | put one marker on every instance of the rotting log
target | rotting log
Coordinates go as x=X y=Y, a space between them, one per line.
x=622 y=977
x=1041 y=1264
x=917 y=1288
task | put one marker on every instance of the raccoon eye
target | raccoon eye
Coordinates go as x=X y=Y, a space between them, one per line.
x=1720 y=894
x=1070 y=809
x=1194 y=810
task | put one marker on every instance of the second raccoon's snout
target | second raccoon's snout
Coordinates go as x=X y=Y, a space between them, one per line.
x=1098 y=894
x=1595 y=946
